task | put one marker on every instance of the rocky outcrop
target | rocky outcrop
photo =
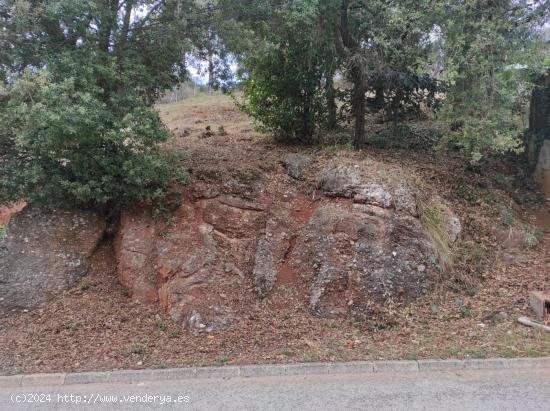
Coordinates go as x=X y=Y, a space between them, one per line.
x=44 y=253
x=273 y=246
x=351 y=182
x=134 y=255
x=358 y=245
x=339 y=181
x=184 y=265
x=374 y=248
x=364 y=254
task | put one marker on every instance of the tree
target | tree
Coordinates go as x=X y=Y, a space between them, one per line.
x=79 y=80
x=383 y=45
x=211 y=37
x=539 y=117
x=489 y=52
x=283 y=90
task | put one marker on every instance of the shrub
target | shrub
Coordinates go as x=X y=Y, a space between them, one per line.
x=62 y=144
x=284 y=98
x=282 y=92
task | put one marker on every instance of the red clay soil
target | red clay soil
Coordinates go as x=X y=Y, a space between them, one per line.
x=472 y=314
x=303 y=209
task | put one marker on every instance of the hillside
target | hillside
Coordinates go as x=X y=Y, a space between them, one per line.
x=460 y=297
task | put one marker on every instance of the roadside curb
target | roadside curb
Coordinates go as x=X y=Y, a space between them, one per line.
x=244 y=371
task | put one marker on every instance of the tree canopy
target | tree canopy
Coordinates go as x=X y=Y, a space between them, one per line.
x=79 y=78
x=474 y=61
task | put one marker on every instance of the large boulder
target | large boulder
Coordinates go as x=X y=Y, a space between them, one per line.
x=296 y=164
x=44 y=253
x=362 y=254
x=371 y=248
x=339 y=181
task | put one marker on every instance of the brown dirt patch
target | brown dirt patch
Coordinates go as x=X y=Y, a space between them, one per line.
x=7 y=211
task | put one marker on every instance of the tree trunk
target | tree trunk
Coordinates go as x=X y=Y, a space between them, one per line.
x=331 y=100
x=379 y=97
x=210 y=71
x=107 y=24
x=305 y=132
x=119 y=47
x=347 y=47
x=359 y=113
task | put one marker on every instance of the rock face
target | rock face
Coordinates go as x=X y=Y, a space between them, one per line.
x=45 y=253
x=295 y=165
x=356 y=243
x=339 y=181
x=369 y=247
x=350 y=182
x=134 y=256
x=363 y=254
x=185 y=265
x=271 y=251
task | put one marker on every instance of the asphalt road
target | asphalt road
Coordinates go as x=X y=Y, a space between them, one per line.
x=465 y=390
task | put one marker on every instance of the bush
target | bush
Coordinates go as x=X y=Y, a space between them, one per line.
x=62 y=144
x=289 y=111
x=481 y=137
x=283 y=93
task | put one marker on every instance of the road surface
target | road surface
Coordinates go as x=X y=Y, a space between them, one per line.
x=510 y=389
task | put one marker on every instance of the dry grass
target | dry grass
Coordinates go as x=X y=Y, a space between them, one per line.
x=197 y=113
x=431 y=217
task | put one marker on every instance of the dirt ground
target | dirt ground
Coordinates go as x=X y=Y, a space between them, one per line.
x=472 y=314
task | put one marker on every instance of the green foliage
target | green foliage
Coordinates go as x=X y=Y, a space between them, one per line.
x=137 y=349
x=271 y=102
x=162 y=324
x=532 y=236
x=507 y=217
x=282 y=93
x=174 y=334
x=486 y=62
x=64 y=145
x=476 y=57
x=432 y=219
x=475 y=195
x=394 y=42
x=79 y=79
x=421 y=135
x=73 y=327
